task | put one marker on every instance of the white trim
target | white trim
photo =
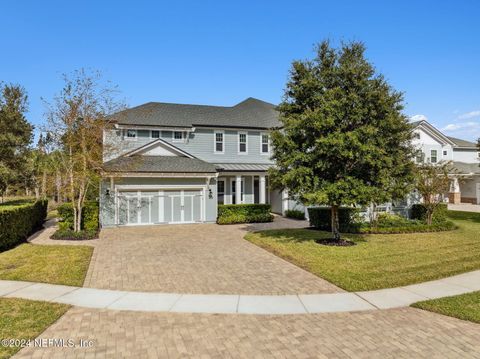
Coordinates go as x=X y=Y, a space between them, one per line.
x=261 y=143
x=153 y=143
x=176 y=140
x=163 y=174
x=125 y=135
x=246 y=142
x=224 y=190
x=215 y=142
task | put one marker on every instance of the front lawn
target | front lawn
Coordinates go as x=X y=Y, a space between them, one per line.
x=56 y=264
x=25 y=319
x=380 y=260
x=464 y=306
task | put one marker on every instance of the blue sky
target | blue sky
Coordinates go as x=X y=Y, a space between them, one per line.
x=220 y=52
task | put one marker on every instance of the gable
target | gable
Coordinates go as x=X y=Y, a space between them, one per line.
x=425 y=138
x=159 y=147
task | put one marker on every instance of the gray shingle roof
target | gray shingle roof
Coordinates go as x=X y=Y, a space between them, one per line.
x=462 y=143
x=251 y=113
x=466 y=168
x=168 y=164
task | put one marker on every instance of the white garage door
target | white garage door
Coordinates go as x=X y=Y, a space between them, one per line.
x=157 y=207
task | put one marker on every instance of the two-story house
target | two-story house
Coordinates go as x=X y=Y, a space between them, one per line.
x=174 y=163
x=433 y=146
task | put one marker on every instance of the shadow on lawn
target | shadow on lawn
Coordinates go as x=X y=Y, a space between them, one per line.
x=464 y=216
x=306 y=235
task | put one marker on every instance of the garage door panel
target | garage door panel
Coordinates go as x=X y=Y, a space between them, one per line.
x=163 y=206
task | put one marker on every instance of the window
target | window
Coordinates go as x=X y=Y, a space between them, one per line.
x=221 y=191
x=177 y=136
x=219 y=142
x=433 y=156
x=445 y=153
x=131 y=134
x=242 y=142
x=416 y=135
x=155 y=134
x=419 y=156
x=265 y=143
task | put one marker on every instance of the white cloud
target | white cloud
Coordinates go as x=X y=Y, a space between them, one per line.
x=469 y=130
x=418 y=118
x=469 y=115
x=451 y=127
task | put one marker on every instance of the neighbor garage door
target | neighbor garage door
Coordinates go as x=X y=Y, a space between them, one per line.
x=157 y=207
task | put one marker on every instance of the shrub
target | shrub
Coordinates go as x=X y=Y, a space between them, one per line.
x=418 y=211
x=72 y=235
x=320 y=218
x=244 y=213
x=17 y=222
x=388 y=220
x=294 y=213
x=89 y=216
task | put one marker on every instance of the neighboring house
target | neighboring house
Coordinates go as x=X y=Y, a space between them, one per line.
x=174 y=163
x=433 y=146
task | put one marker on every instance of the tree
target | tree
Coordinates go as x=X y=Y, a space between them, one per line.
x=432 y=180
x=76 y=120
x=344 y=139
x=15 y=133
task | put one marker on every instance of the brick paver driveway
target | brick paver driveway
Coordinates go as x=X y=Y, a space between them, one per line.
x=395 y=333
x=203 y=259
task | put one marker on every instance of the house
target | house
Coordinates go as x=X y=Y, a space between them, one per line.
x=174 y=163
x=433 y=146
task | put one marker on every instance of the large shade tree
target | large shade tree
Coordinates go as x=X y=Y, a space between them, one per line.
x=15 y=133
x=344 y=139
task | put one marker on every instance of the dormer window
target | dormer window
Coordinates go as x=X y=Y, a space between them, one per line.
x=177 y=136
x=131 y=134
x=155 y=134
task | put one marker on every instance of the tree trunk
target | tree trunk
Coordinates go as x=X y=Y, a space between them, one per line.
x=44 y=184
x=429 y=216
x=335 y=223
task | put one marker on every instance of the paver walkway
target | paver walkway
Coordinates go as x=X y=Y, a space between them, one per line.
x=394 y=333
x=243 y=304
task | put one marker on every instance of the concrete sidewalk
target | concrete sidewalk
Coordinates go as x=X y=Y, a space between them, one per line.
x=243 y=304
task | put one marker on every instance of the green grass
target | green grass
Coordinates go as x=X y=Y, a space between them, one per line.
x=380 y=260
x=464 y=306
x=25 y=319
x=55 y=264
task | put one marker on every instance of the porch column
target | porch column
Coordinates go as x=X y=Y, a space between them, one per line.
x=454 y=196
x=261 y=185
x=238 y=189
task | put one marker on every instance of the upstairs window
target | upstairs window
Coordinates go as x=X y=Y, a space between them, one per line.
x=131 y=134
x=445 y=153
x=155 y=134
x=265 y=146
x=242 y=142
x=416 y=135
x=419 y=156
x=177 y=136
x=433 y=156
x=219 y=142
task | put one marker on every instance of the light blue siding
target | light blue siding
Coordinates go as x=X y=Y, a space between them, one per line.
x=199 y=144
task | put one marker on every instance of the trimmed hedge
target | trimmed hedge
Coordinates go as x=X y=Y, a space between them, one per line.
x=244 y=213
x=295 y=214
x=17 y=222
x=89 y=216
x=418 y=211
x=320 y=218
x=69 y=234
